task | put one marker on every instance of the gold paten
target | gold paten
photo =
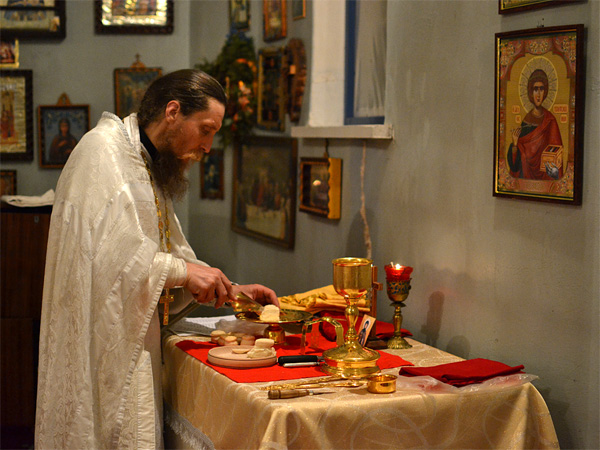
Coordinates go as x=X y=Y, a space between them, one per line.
x=353 y=279
x=274 y=330
x=397 y=291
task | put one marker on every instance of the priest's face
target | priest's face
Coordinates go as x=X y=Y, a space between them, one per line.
x=190 y=137
x=185 y=140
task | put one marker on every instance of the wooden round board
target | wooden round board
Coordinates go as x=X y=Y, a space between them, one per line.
x=224 y=356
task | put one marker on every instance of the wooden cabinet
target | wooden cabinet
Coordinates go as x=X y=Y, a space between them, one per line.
x=24 y=238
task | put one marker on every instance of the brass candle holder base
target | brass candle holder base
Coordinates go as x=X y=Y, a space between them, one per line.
x=398 y=292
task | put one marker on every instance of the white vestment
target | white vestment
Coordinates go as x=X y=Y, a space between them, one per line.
x=99 y=366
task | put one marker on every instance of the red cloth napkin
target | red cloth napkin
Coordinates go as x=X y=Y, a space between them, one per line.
x=199 y=350
x=463 y=373
x=386 y=330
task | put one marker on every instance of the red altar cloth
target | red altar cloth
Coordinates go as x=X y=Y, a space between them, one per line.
x=199 y=350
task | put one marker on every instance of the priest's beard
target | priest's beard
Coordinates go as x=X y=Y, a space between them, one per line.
x=170 y=174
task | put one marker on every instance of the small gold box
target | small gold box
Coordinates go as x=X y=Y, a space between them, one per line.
x=553 y=155
x=381 y=384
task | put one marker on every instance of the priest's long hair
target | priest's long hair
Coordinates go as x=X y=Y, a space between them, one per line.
x=191 y=88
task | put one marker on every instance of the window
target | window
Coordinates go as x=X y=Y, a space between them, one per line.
x=365 y=61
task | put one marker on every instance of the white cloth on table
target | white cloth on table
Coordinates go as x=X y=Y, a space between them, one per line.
x=30 y=200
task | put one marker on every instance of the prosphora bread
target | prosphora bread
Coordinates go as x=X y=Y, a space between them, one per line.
x=247 y=339
x=270 y=313
x=240 y=351
x=264 y=343
x=263 y=348
x=230 y=340
x=216 y=334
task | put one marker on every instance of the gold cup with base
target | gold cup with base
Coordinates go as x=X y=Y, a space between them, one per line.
x=353 y=279
x=398 y=287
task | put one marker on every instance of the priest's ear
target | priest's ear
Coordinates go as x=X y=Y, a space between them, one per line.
x=172 y=110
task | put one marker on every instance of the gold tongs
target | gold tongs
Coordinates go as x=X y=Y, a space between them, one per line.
x=243 y=302
x=316 y=383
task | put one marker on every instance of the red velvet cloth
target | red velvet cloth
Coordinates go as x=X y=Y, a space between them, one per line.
x=463 y=373
x=199 y=350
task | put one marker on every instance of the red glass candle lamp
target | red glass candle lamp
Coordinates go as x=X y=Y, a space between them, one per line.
x=398 y=285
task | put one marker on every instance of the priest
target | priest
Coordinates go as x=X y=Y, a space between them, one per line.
x=115 y=251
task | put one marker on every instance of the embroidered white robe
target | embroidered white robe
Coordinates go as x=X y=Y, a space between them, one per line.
x=99 y=367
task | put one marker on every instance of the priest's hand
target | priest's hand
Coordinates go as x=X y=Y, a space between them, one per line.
x=207 y=284
x=258 y=292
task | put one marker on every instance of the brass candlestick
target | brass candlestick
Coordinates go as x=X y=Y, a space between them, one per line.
x=353 y=279
x=397 y=291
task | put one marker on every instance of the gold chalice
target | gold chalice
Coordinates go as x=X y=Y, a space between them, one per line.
x=397 y=291
x=353 y=279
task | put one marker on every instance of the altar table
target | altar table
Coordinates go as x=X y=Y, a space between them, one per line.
x=202 y=402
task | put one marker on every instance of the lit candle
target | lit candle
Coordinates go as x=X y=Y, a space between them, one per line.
x=397 y=272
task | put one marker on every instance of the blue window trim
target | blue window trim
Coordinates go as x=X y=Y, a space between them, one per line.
x=350 y=74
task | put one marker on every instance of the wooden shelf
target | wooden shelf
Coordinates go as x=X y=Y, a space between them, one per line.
x=345 y=132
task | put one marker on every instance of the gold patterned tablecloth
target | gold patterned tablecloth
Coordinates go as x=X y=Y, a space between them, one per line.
x=240 y=416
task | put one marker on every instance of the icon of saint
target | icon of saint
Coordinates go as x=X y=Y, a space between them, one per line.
x=538 y=132
x=63 y=143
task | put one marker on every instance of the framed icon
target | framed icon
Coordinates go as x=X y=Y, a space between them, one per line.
x=8 y=182
x=264 y=189
x=239 y=15
x=274 y=20
x=298 y=9
x=33 y=19
x=271 y=89
x=134 y=16
x=130 y=86
x=321 y=186
x=538 y=114
x=9 y=53
x=511 y=6
x=61 y=127
x=211 y=175
x=295 y=72
x=16 y=124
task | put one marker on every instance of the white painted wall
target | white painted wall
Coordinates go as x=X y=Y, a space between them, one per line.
x=514 y=281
